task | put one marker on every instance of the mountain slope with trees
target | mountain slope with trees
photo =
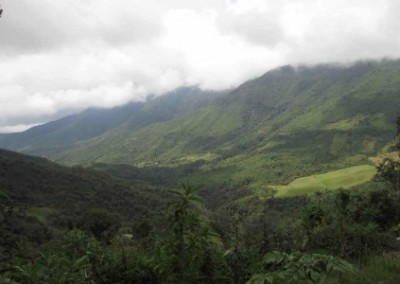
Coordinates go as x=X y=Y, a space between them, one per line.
x=288 y=123
x=39 y=183
x=305 y=120
x=53 y=138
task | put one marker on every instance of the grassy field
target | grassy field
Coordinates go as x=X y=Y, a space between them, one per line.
x=343 y=178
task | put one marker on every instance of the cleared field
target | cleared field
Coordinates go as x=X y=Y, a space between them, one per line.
x=343 y=178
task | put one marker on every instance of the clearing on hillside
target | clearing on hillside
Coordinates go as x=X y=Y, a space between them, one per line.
x=343 y=178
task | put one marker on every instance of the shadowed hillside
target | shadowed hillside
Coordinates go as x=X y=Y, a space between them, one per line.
x=37 y=182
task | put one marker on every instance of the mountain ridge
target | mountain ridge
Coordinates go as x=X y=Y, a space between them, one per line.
x=61 y=135
x=287 y=123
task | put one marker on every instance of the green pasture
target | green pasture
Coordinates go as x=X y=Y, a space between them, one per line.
x=343 y=178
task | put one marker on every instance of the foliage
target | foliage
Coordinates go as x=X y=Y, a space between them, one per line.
x=101 y=223
x=389 y=172
x=299 y=268
x=192 y=242
x=73 y=191
x=389 y=168
x=17 y=230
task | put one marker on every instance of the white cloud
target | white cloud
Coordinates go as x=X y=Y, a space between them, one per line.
x=258 y=28
x=16 y=128
x=62 y=56
x=213 y=59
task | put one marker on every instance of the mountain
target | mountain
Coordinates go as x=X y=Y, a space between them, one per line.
x=59 y=135
x=288 y=123
x=50 y=139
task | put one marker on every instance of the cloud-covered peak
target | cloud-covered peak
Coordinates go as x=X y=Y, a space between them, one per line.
x=64 y=55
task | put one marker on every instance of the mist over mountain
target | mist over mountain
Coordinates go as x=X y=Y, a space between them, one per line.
x=62 y=134
x=304 y=120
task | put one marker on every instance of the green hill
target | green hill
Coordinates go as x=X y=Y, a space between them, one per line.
x=60 y=135
x=45 y=187
x=53 y=138
x=288 y=123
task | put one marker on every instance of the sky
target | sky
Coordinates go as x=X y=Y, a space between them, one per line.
x=60 y=57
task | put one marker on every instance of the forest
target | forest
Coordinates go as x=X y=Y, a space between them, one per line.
x=193 y=235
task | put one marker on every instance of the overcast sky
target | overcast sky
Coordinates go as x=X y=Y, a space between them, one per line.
x=61 y=56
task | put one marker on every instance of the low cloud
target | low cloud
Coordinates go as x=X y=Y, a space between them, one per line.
x=16 y=128
x=29 y=26
x=58 y=57
x=259 y=28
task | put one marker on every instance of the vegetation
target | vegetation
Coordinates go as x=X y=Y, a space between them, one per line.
x=286 y=124
x=130 y=222
x=271 y=241
x=344 y=178
x=59 y=194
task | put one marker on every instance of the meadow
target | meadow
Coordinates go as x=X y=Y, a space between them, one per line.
x=343 y=178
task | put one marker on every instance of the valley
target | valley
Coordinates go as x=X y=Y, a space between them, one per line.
x=199 y=142
x=297 y=164
x=305 y=120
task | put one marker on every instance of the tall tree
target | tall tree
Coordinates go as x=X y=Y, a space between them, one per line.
x=184 y=200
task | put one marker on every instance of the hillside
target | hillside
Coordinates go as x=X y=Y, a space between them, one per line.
x=53 y=138
x=41 y=184
x=288 y=123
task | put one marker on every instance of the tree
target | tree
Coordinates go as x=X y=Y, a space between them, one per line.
x=101 y=223
x=388 y=170
x=196 y=248
x=184 y=200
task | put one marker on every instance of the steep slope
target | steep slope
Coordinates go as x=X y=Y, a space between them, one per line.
x=287 y=123
x=38 y=183
x=172 y=105
x=59 y=135
x=53 y=138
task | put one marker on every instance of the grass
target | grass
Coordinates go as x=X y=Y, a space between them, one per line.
x=345 y=124
x=343 y=178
